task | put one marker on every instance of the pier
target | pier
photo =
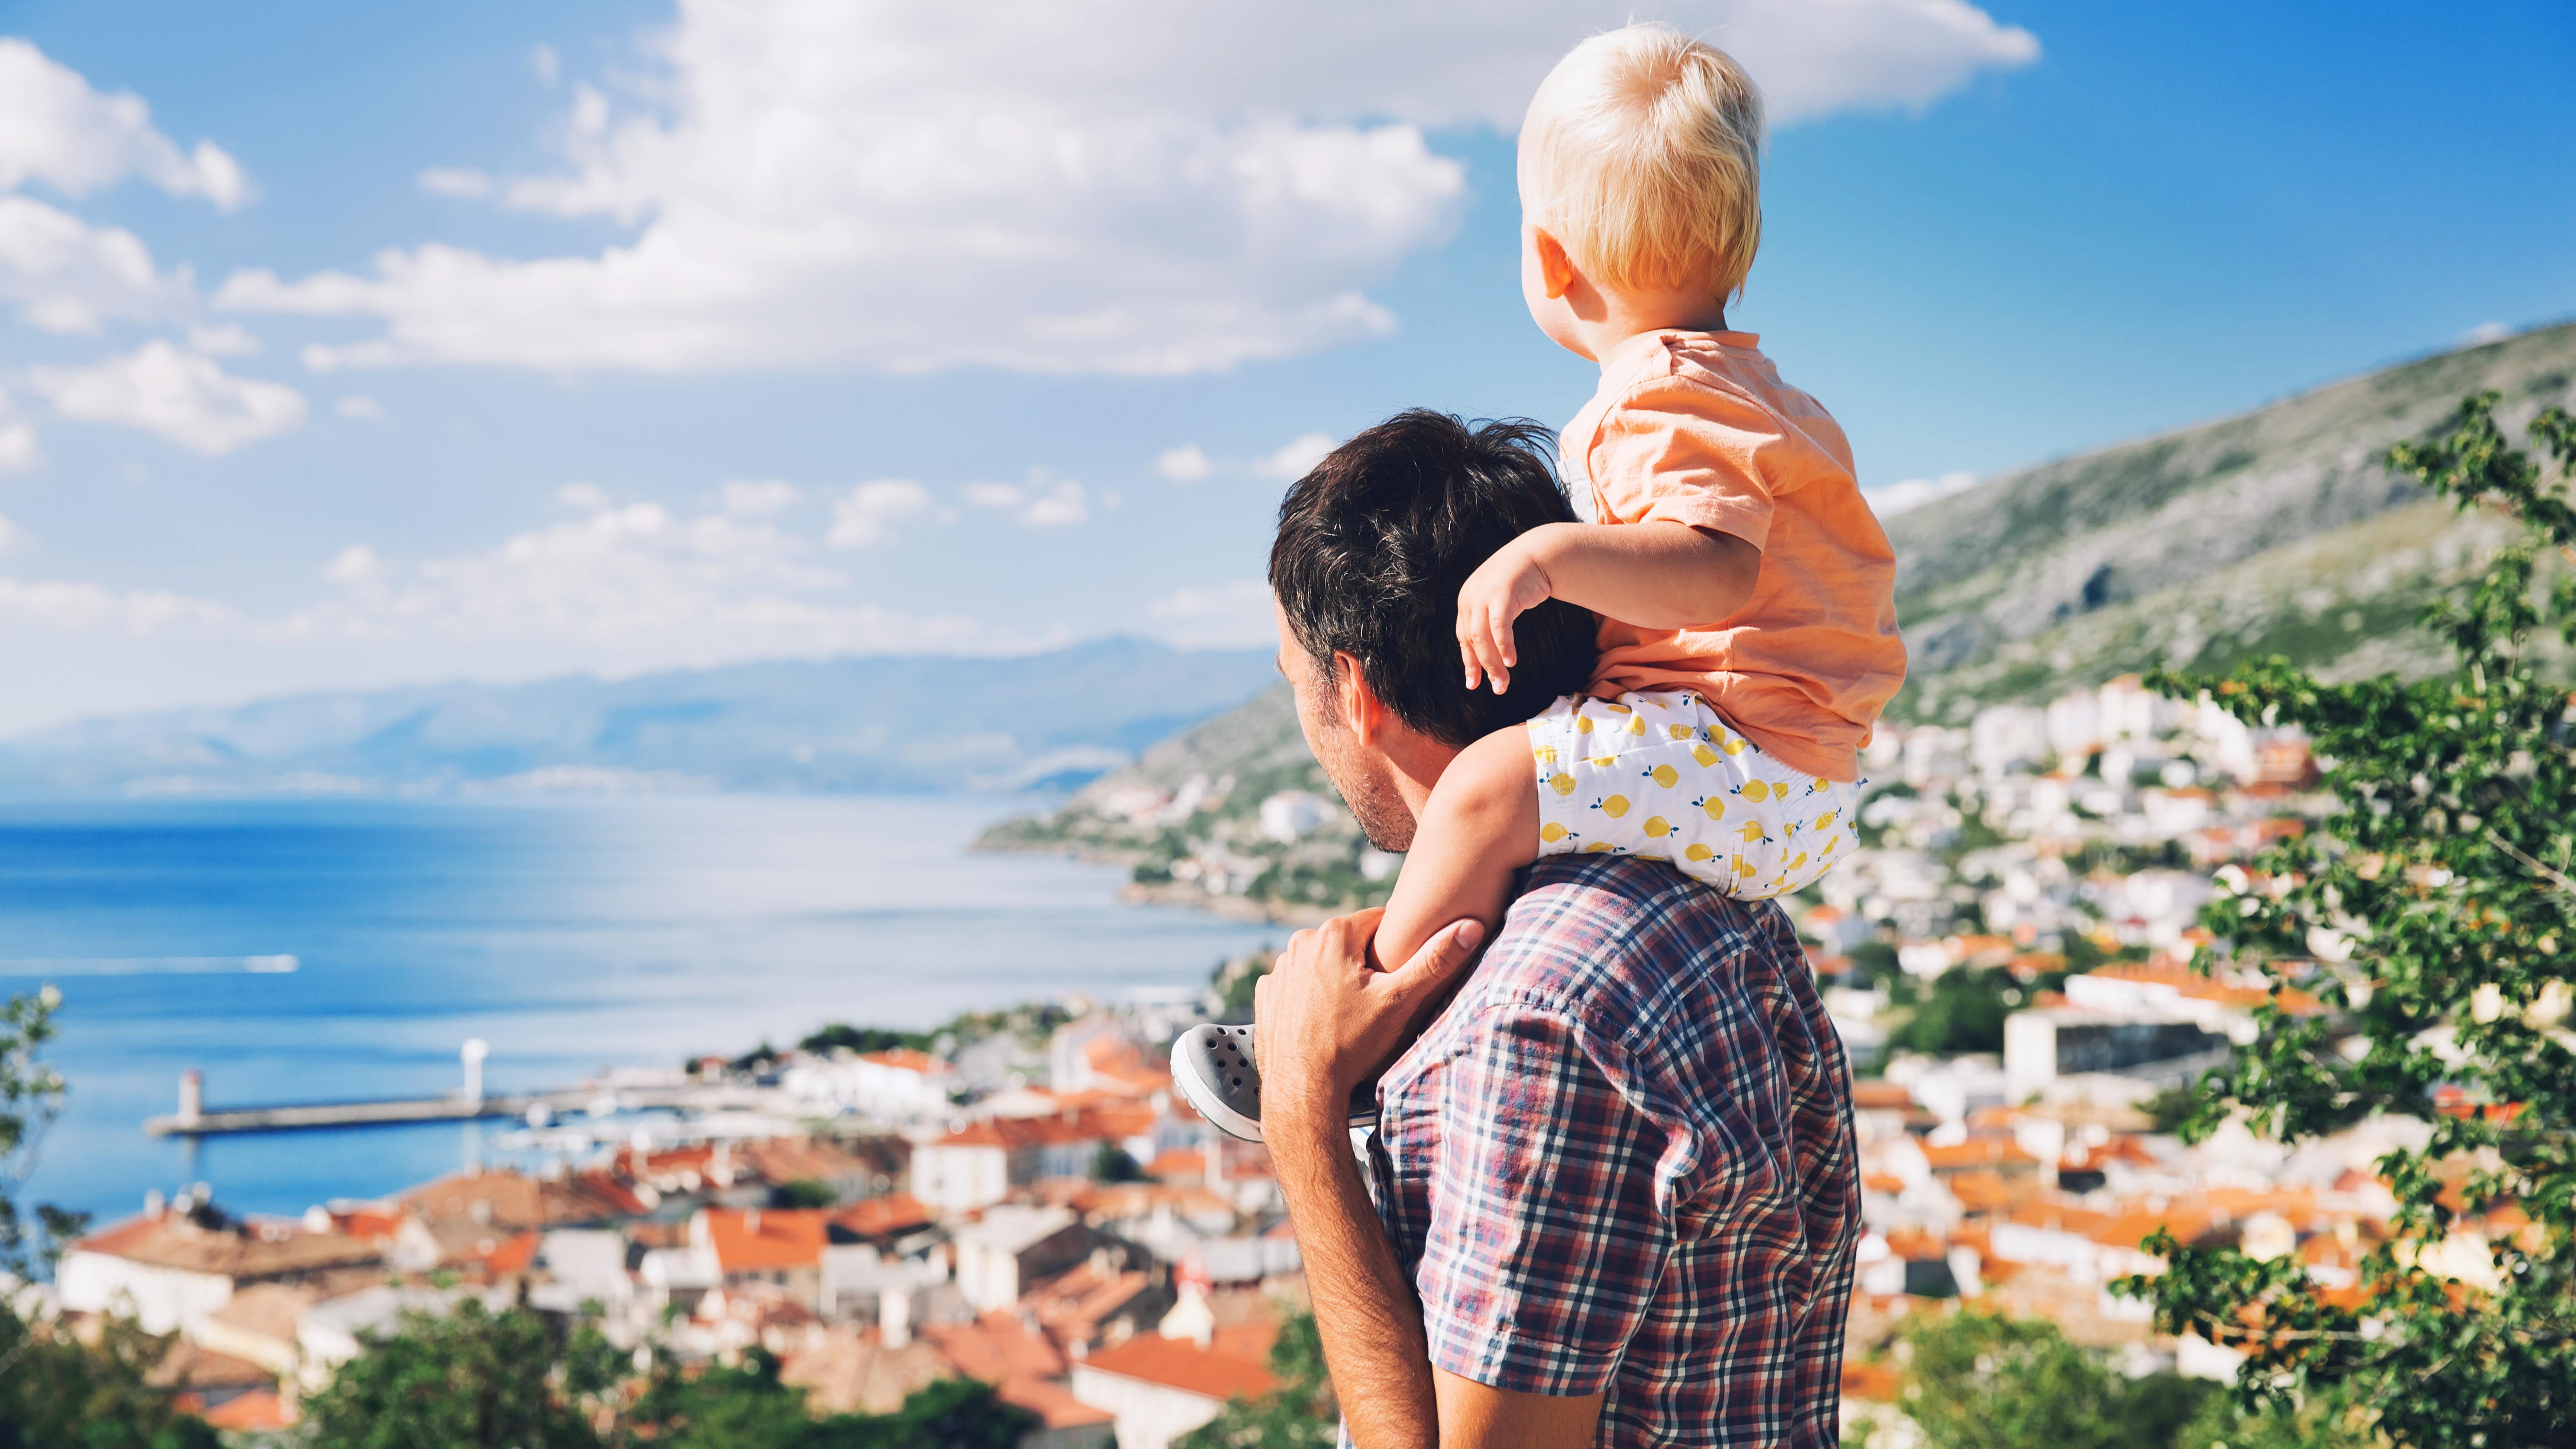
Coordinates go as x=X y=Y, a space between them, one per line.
x=195 y=1119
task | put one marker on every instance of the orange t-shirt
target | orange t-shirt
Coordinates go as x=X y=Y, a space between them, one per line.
x=1697 y=428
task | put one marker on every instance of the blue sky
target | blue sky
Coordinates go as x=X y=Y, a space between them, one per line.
x=741 y=331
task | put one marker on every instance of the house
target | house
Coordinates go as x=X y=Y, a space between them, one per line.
x=976 y=1165
x=896 y=1085
x=782 y=1247
x=1026 y=1372
x=1002 y=1256
x=257 y=1326
x=1161 y=1388
x=172 y=1265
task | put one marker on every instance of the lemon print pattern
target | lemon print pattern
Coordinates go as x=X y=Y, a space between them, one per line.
x=1665 y=778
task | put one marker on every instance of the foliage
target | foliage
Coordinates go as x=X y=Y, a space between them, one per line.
x=470 y=1377
x=1961 y=1010
x=58 y=1390
x=2434 y=916
x=30 y=1095
x=839 y=1036
x=1986 y=1381
x=803 y=1192
x=511 y=1380
x=1300 y=1414
x=1113 y=1163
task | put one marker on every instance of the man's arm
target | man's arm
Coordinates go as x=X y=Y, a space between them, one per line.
x=1326 y=1019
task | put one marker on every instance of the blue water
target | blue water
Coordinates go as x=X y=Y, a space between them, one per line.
x=571 y=936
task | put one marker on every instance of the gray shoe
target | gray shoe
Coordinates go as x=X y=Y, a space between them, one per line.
x=1213 y=1067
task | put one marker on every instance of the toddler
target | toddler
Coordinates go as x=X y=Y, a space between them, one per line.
x=1744 y=589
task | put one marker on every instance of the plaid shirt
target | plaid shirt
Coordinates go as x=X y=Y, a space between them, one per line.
x=1623 y=1160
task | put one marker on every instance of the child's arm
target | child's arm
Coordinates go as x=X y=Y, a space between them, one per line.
x=1479 y=826
x=1654 y=575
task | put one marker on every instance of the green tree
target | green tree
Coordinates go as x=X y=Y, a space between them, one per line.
x=31 y=1093
x=1984 y=1381
x=57 y=1389
x=2434 y=913
x=466 y=1378
x=863 y=1039
x=804 y=1192
x=1299 y=1414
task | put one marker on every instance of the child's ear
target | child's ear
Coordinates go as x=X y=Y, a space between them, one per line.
x=1555 y=268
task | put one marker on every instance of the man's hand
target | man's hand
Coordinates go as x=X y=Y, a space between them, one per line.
x=1325 y=1020
x=1503 y=587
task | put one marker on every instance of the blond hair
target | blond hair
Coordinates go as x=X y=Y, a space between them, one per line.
x=1642 y=156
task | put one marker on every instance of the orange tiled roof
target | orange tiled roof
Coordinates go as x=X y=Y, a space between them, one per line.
x=754 y=1240
x=907 y=1060
x=1221 y=1371
x=1187 y=1162
x=997 y=1348
x=1978 y=1152
x=1875 y=1382
x=876 y=1217
x=258 y=1411
x=239 y=1251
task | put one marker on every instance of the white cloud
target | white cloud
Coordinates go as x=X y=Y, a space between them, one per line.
x=623 y=587
x=1896 y=498
x=589 y=497
x=1228 y=615
x=68 y=276
x=89 y=607
x=1045 y=501
x=1131 y=186
x=20 y=450
x=2484 y=333
x=462 y=182
x=359 y=406
x=13 y=537
x=225 y=339
x=545 y=65
x=1188 y=463
x=55 y=129
x=756 y=498
x=1295 y=458
x=182 y=396
x=866 y=516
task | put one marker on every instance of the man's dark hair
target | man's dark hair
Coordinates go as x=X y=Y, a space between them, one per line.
x=1375 y=542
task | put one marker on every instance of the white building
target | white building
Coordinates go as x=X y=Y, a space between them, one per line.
x=1161 y=1388
x=900 y=1084
x=170 y=1266
x=1291 y=815
x=1003 y=1255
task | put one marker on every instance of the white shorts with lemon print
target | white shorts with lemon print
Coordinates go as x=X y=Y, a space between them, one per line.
x=1661 y=777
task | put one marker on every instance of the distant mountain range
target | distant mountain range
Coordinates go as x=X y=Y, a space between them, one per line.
x=869 y=724
x=2273 y=532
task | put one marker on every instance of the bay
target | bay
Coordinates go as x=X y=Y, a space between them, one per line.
x=571 y=935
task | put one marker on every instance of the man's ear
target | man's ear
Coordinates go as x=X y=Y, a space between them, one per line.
x=1555 y=268
x=1362 y=712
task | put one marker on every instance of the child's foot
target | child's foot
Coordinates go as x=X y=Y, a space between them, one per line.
x=1213 y=1067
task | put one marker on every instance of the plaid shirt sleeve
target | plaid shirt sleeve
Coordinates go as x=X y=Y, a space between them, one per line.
x=1545 y=1245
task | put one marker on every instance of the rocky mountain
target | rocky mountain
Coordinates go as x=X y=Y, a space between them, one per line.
x=2273 y=532
x=865 y=724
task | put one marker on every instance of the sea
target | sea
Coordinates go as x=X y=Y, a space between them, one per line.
x=340 y=949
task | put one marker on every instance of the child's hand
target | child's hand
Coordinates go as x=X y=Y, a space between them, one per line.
x=1500 y=590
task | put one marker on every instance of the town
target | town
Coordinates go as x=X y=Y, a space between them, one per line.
x=1031 y=1205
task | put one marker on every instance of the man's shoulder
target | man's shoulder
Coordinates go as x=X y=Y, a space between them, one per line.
x=1596 y=934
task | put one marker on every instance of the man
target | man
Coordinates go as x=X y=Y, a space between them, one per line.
x=1615 y=1183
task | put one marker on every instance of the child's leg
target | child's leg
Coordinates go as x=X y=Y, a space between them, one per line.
x=1478 y=828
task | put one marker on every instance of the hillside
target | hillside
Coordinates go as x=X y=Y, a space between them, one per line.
x=867 y=724
x=2272 y=532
